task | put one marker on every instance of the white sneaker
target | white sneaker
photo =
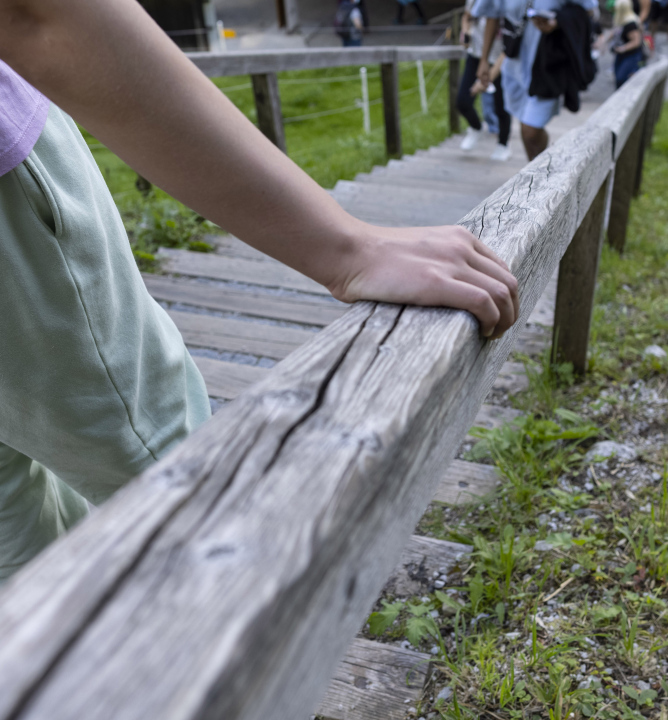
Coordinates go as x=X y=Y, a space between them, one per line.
x=501 y=153
x=470 y=139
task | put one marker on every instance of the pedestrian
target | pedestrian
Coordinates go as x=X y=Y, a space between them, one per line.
x=521 y=38
x=627 y=44
x=95 y=380
x=401 y=6
x=473 y=32
x=349 y=23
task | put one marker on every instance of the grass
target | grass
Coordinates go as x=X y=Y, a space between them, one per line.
x=328 y=147
x=561 y=608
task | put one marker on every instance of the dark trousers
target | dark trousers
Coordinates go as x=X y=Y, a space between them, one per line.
x=418 y=9
x=465 y=101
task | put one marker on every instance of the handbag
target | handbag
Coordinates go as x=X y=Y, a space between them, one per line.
x=512 y=34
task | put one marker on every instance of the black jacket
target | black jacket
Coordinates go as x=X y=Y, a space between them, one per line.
x=563 y=64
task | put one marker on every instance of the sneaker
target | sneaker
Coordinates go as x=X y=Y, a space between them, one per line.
x=470 y=139
x=501 y=153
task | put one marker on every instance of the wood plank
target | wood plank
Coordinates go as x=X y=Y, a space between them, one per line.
x=374 y=681
x=307 y=309
x=233 y=247
x=493 y=416
x=244 y=62
x=465 y=481
x=198 y=591
x=226 y=380
x=578 y=271
x=543 y=312
x=422 y=561
x=268 y=107
x=238 y=336
x=267 y=274
x=389 y=76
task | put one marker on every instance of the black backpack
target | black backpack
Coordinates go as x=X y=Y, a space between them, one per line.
x=342 y=19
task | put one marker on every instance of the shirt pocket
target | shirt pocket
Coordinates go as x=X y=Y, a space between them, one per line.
x=39 y=194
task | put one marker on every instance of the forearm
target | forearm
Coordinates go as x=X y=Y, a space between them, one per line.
x=118 y=75
x=491 y=28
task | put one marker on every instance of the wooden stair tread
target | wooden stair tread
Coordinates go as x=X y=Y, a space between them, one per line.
x=464 y=481
x=238 y=336
x=374 y=681
x=307 y=309
x=269 y=273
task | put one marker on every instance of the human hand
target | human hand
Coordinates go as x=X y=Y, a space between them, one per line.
x=435 y=267
x=478 y=88
x=545 y=25
x=483 y=72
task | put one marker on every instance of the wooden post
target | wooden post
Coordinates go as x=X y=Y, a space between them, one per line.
x=651 y=115
x=268 y=105
x=389 y=73
x=575 y=289
x=624 y=185
x=453 y=90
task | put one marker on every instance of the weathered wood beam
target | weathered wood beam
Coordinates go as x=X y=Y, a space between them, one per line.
x=238 y=62
x=268 y=106
x=198 y=591
x=578 y=270
x=389 y=76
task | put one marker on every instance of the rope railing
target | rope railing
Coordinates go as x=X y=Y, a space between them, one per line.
x=228 y=579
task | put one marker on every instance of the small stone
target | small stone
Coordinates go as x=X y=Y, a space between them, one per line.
x=412 y=711
x=543 y=546
x=588 y=486
x=574 y=568
x=435 y=650
x=655 y=351
x=433 y=613
x=542 y=519
x=445 y=694
x=642 y=685
x=607 y=449
x=439 y=584
x=656 y=476
x=512 y=635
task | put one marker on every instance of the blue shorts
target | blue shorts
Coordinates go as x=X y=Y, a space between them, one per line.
x=537 y=112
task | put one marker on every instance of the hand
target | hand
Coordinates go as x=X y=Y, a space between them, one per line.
x=478 y=88
x=483 y=72
x=545 y=25
x=462 y=38
x=435 y=267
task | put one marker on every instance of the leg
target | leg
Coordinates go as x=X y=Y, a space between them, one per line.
x=400 y=14
x=535 y=140
x=489 y=116
x=95 y=380
x=464 y=98
x=35 y=508
x=501 y=113
x=422 y=19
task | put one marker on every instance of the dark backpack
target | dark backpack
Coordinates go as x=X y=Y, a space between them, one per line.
x=342 y=19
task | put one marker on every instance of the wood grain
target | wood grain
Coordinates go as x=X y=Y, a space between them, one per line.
x=389 y=77
x=374 y=681
x=466 y=481
x=225 y=379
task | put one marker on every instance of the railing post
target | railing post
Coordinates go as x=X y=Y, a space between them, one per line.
x=453 y=85
x=268 y=105
x=626 y=170
x=389 y=73
x=651 y=116
x=575 y=289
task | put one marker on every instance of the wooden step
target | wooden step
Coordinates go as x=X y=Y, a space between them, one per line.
x=422 y=561
x=231 y=246
x=374 y=682
x=238 y=336
x=268 y=273
x=465 y=481
x=493 y=416
x=308 y=309
x=532 y=342
x=512 y=378
x=225 y=379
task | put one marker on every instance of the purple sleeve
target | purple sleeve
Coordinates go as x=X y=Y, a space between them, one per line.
x=23 y=112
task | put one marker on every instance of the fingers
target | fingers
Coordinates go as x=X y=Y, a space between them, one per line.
x=498 y=271
x=500 y=295
x=466 y=296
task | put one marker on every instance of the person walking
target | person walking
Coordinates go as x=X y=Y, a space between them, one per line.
x=401 y=7
x=95 y=380
x=349 y=23
x=627 y=44
x=473 y=32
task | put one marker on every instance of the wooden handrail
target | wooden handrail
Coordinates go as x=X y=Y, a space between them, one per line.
x=228 y=579
x=262 y=66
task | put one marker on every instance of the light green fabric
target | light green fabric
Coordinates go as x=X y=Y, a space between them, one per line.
x=95 y=381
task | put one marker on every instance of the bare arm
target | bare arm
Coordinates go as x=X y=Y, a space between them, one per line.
x=491 y=28
x=107 y=64
x=645 y=7
x=635 y=41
